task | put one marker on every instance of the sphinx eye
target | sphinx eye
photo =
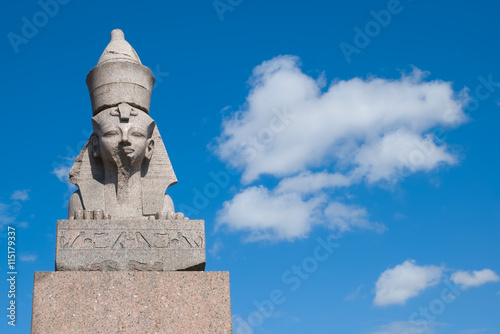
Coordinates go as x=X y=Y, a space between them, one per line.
x=110 y=133
x=137 y=134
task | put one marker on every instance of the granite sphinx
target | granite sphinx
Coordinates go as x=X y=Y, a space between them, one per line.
x=121 y=218
x=124 y=169
x=126 y=262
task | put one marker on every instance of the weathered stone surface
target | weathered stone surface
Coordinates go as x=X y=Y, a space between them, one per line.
x=131 y=302
x=135 y=245
x=120 y=77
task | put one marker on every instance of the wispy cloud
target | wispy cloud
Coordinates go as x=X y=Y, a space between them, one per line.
x=399 y=216
x=476 y=331
x=215 y=249
x=10 y=211
x=6 y=217
x=28 y=257
x=403 y=327
x=343 y=218
x=467 y=279
x=355 y=295
x=314 y=142
x=61 y=171
x=404 y=281
x=20 y=195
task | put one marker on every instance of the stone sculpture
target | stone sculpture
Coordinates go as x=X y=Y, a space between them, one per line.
x=125 y=261
x=124 y=170
x=120 y=218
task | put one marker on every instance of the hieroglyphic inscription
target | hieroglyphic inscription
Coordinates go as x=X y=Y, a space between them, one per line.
x=130 y=245
x=74 y=239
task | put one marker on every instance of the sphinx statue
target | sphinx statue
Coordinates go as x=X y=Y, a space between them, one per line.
x=123 y=250
x=124 y=170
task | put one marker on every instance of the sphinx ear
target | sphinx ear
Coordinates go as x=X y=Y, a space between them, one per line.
x=150 y=148
x=94 y=146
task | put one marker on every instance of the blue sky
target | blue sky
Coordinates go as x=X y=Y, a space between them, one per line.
x=343 y=154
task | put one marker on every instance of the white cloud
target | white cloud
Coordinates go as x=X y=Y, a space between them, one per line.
x=404 y=327
x=308 y=182
x=62 y=173
x=343 y=218
x=20 y=195
x=476 y=331
x=406 y=280
x=400 y=152
x=216 y=247
x=469 y=279
x=6 y=217
x=269 y=216
x=272 y=215
x=399 y=216
x=314 y=140
x=355 y=295
x=28 y=257
x=289 y=125
x=22 y=224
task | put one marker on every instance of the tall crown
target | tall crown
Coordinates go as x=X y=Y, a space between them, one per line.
x=120 y=77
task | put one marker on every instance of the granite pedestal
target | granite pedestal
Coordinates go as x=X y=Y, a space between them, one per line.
x=131 y=302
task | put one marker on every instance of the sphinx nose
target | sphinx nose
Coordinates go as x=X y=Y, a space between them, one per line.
x=125 y=138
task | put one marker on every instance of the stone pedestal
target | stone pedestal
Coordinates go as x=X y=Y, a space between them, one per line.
x=131 y=302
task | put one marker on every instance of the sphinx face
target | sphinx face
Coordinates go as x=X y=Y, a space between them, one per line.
x=123 y=142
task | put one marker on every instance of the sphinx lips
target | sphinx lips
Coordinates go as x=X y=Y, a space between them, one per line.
x=128 y=150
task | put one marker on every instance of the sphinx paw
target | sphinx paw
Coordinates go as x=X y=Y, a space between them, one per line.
x=170 y=215
x=90 y=214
